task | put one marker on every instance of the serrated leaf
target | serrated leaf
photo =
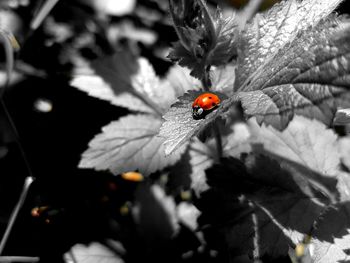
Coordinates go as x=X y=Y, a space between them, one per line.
x=270 y=32
x=309 y=77
x=331 y=237
x=94 y=252
x=204 y=40
x=129 y=144
x=201 y=158
x=238 y=141
x=125 y=82
x=179 y=124
x=304 y=141
x=308 y=143
x=283 y=210
x=342 y=117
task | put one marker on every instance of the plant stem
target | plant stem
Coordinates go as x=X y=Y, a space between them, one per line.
x=206 y=79
x=28 y=181
x=42 y=14
x=19 y=259
x=218 y=141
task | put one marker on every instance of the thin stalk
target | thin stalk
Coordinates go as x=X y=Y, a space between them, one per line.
x=218 y=141
x=19 y=259
x=28 y=181
x=42 y=14
x=206 y=79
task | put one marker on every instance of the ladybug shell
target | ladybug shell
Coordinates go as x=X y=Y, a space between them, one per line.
x=206 y=101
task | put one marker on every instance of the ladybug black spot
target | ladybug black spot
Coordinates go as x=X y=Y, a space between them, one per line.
x=213 y=104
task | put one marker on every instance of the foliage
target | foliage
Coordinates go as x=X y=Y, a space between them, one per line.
x=265 y=173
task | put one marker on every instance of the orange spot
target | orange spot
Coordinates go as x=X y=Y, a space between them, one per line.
x=37 y=211
x=132 y=176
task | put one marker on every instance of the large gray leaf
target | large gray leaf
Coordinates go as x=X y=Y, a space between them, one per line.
x=129 y=144
x=269 y=32
x=124 y=81
x=310 y=77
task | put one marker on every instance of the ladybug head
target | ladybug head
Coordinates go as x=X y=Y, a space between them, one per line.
x=197 y=112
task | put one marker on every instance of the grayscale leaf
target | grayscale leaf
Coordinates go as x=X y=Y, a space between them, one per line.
x=308 y=143
x=201 y=159
x=271 y=31
x=125 y=82
x=331 y=237
x=94 y=252
x=342 y=117
x=179 y=125
x=310 y=77
x=129 y=144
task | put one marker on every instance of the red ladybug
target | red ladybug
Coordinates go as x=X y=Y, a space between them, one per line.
x=204 y=103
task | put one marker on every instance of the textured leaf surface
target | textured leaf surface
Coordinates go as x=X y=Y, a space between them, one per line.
x=129 y=144
x=269 y=32
x=179 y=125
x=204 y=40
x=342 y=117
x=331 y=238
x=308 y=143
x=309 y=77
x=125 y=82
x=283 y=206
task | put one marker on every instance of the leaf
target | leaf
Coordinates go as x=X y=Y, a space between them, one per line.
x=201 y=158
x=238 y=141
x=155 y=214
x=125 y=82
x=110 y=7
x=308 y=143
x=310 y=77
x=278 y=195
x=188 y=215
x=304 y=141
x=129 y=144
x=342 y=117
x=181 y=80
x=204 y=40
x=270 y=32
x=94 y=252
x=223 y=78
x=179 y=125
x=331 y=237
x=344 y=149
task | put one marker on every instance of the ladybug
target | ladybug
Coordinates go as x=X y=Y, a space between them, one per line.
x=203 y=104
